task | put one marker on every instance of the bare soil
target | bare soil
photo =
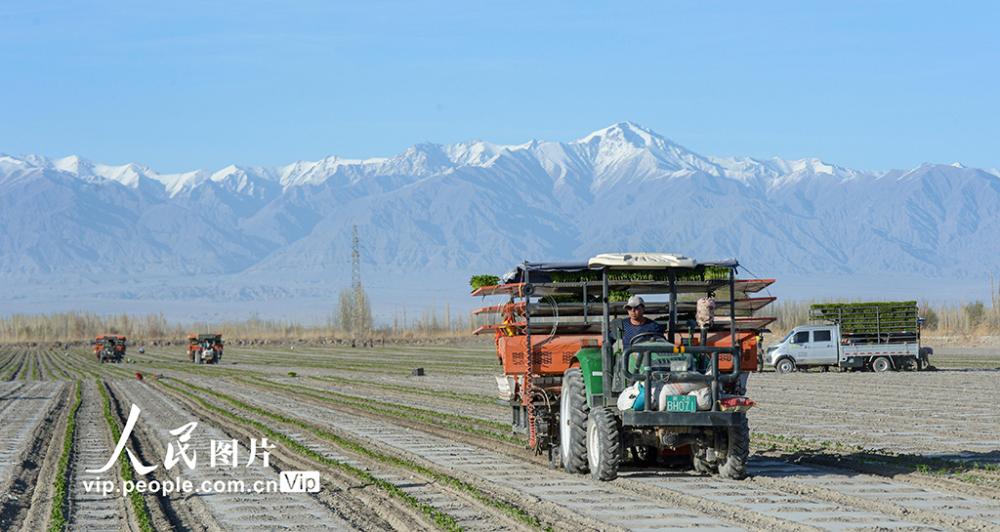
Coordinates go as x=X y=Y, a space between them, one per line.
x=907 y=451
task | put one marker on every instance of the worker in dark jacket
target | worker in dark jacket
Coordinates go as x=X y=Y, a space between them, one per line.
x=626 y=329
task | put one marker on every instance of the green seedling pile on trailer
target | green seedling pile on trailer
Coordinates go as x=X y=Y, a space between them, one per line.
x=898 y=320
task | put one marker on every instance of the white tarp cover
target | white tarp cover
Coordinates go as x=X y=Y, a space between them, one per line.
x=642 y=260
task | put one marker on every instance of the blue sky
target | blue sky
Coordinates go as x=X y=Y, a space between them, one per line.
x=182 y=85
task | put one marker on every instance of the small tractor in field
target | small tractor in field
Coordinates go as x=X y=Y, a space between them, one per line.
x=204 y=348
x=592 y=395
x=110 y=348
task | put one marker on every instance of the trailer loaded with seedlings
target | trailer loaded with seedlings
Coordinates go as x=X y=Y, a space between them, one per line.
x=587 y=401
x=877 y=336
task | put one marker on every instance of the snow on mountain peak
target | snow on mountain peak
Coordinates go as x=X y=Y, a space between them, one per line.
x=72 y=164
x=474 y=153
x=811 y=166
x=231 y=170
x=317 y=172
x=628 y=148
x=9 y=163
x=624 y=133
x=128 y=174
x=619 y=153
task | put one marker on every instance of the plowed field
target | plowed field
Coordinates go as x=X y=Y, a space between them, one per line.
x=910 y=451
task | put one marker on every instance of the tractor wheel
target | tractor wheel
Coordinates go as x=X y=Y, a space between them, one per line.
x=785 y=365
x=735 y=465
x=881 y=365
x=573 y=413
x=604 y=444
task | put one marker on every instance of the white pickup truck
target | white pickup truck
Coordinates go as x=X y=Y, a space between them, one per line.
x=821 y=346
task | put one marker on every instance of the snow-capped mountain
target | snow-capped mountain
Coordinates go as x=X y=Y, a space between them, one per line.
x=451 y=210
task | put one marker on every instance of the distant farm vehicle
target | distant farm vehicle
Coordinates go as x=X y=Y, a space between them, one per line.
x=205 y=348
x=110 y=348
x=876 y=336
x=589 y=403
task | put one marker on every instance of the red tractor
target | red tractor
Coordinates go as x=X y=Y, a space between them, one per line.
x=205 y=348
x=110 y=348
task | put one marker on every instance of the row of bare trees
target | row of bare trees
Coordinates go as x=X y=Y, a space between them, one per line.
x=966 y=319
x=83 y=326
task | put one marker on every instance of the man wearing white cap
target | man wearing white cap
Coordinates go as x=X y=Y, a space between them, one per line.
x=636 y=323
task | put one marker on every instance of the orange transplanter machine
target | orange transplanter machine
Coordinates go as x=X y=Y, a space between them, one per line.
x=565 y=315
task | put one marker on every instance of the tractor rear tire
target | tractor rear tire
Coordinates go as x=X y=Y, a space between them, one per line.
x=734 y=467
x=881 y=365
x=604 y=444
x=573 y=414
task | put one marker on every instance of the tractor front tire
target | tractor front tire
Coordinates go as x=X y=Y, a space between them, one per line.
x=604 y=444
x=573 y=413
x=734 y=467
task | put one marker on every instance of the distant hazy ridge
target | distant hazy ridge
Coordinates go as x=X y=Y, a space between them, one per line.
x=450 y=210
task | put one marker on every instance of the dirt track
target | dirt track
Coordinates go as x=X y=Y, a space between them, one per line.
x=91 y=443
x=832 y=451
x=28 y=415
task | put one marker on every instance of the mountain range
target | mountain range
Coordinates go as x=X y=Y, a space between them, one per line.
x=75 y=232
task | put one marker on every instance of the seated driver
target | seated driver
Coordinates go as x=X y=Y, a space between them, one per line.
x=637 y=323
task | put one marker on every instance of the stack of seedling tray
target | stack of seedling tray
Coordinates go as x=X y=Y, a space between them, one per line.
x=569 y=302
x=871 y=322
